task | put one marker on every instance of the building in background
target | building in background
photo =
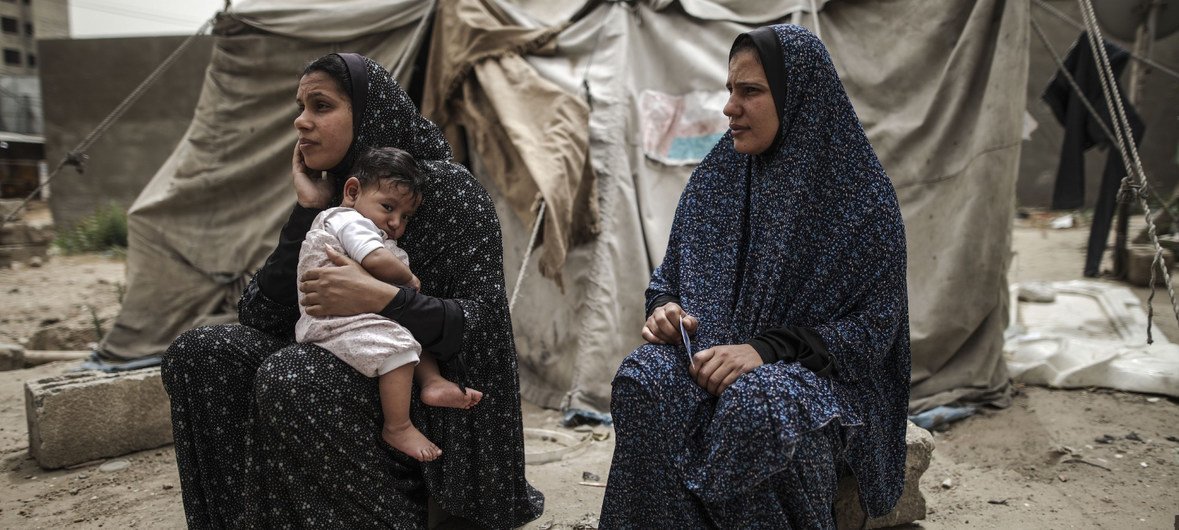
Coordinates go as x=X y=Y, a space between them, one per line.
x=22 y=141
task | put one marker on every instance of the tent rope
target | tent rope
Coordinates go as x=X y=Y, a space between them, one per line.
x=1101 y=122
x=1145 y=60
x=77 y=156
x=1132 y=183
x=815 y=16
x=527 y=256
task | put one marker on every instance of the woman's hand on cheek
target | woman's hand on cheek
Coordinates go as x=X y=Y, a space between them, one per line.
x=309 y=191
x=716 y=368
x=343 y=290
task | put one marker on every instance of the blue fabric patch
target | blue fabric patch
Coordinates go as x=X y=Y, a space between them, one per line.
x=692 y=147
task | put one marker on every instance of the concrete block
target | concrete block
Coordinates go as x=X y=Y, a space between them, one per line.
x=12 y=357
x=910 y=507
x=1139 y=260
x=84 y=416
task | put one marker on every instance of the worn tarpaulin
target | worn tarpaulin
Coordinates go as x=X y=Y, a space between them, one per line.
x=943 y=107
x=941 y=90
x=477 y=79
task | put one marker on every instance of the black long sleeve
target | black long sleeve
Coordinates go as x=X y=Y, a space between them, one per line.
x=659 y=300
x=795 y=343
x=437 y=324
x=276 y=279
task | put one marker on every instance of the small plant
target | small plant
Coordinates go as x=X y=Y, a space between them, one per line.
x=96 y=322
x=104 y=230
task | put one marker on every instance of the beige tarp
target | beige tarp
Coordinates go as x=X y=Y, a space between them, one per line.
x=939 y=86
x=942 y=105
x=478 y=80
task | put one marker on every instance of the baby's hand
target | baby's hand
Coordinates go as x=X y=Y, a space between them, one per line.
x=415 y=283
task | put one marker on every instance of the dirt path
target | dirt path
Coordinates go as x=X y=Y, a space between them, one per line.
x=1036 y=464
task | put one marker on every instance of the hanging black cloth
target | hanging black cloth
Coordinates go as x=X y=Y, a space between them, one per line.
x=1083 y=131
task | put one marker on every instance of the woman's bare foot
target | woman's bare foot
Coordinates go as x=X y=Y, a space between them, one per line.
x=439 y=392
x=408 y=439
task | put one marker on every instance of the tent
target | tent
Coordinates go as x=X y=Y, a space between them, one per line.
x=601 y=109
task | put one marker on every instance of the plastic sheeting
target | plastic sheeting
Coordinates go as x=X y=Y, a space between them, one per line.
x=1092 y=334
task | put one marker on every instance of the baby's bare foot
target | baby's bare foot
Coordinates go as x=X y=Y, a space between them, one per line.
x=443 y=393
x=408 y=439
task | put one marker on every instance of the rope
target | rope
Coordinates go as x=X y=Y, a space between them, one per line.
x=1056 y=13
x=527 y=256
x=1089 y=106
x=815 y=15
x=1122 y=127
x=77 y=156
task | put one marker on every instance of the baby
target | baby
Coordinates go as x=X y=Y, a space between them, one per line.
x=379 y=198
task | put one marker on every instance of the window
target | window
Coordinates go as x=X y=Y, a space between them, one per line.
x=9 y=25
x=32 y=60
x=12 y=57
x=28 y=29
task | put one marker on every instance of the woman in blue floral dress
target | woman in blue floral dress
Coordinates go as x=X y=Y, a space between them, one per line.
x=786 y=265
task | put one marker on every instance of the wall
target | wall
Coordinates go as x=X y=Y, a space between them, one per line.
x=83 y=80
x=1159 y=107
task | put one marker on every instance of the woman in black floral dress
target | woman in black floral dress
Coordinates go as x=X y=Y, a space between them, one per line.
x=271 y=433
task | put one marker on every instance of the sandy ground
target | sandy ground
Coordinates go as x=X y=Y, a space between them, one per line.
x=1037 y=464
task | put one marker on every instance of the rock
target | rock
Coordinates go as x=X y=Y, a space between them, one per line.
x=35 y=261
x=949 y=483
x=82 y=416
x=114 y=465
x=910 y=507
x=1140 y=261
x=12 y=357
x=20 y=242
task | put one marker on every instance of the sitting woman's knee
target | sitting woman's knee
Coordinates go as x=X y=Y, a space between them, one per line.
x=192 y=346
x=649 y=362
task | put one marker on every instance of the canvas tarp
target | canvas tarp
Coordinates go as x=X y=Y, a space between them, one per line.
x=943 y=107
x=938 y=85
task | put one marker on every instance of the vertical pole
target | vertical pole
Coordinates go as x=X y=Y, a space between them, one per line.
x=1143 y=42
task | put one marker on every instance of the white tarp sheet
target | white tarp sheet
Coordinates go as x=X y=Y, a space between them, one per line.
x=1092 y=335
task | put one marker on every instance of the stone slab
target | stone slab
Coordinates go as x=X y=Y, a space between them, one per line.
x=910 y=507
x=12 y=356
x=83 y=416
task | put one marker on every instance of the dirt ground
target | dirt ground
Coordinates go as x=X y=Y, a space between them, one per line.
x=1037 y=464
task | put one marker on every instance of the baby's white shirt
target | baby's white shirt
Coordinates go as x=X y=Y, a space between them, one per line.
x=357 y=234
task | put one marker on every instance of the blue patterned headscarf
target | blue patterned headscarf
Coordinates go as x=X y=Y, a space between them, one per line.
x=807 y=234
